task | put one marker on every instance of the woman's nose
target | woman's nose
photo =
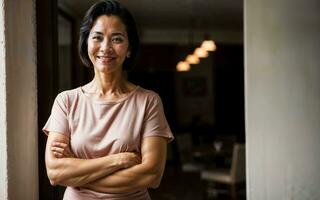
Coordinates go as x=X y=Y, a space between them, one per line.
x=106 y=45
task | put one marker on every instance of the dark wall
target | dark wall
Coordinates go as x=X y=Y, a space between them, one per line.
x=47 y=53
x=229 y=90
x=155 y=70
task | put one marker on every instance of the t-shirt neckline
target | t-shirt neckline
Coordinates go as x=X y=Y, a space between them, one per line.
x=108 y=101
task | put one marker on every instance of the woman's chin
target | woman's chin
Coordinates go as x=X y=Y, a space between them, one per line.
x=105 y=69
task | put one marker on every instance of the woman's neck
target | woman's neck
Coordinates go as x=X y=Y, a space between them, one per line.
x=109 y=86
x=106 y=83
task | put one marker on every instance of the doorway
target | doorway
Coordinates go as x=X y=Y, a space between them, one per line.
x=222 y=85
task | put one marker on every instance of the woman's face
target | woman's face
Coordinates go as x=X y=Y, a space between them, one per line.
x=108 y=44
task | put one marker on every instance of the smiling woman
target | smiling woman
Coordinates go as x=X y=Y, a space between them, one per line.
x=108 y=138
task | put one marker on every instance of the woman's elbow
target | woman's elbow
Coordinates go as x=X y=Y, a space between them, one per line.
x=52 y=176
x=153 y=179
x=150 y=180
x=56 y=178
x=155 y=176
x=156 y=180
x=53 y=173
x=52 y=182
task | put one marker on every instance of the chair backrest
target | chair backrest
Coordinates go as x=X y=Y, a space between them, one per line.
x=238 y=166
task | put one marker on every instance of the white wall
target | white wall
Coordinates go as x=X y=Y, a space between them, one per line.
x=3 y=120
x=18 y=101
x=282 y=46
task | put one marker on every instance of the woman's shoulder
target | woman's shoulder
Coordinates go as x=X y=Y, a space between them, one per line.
x=68 y=95
x=147 y=93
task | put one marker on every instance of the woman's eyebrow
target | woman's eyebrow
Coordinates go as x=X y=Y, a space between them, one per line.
x=113 y=34
x=118 y=33
x=97 y=32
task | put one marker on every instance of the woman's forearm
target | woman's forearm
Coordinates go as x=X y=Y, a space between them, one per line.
x=132 y=179
x=148 y=174
x=76 y=172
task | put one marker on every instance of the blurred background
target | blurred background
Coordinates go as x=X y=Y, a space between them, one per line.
x=203 y=103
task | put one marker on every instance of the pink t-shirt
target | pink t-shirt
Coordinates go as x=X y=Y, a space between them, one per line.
x=101 y=128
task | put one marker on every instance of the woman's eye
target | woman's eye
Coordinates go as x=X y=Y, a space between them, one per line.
x=97 y=38
x=117 y=40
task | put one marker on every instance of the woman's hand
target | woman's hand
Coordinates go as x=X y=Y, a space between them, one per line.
x=62 y=150
x=128 y=159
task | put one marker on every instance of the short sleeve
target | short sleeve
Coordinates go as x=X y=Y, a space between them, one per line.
x=58 y=120
x=155 y=123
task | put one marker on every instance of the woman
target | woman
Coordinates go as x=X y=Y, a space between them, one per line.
x=107 y=139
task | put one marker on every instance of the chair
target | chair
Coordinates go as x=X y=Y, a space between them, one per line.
x=232 y=176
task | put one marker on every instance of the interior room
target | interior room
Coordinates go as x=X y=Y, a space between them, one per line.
x=281 y=71
x=204 y=103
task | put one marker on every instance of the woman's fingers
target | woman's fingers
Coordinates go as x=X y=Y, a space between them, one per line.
x=128 y=159
x=58 y=149
x=57 y=154
x=136 y=158
x=59 y=144
x=62 y=150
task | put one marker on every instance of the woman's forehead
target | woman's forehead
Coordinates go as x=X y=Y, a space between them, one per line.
x=109 y=22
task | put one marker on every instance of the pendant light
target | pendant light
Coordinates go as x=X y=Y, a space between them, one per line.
x=183 y=66
x=192 y=59
x=201 y=53
x=208 y=45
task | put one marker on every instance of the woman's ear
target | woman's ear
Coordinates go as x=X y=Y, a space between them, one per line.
x=128 y=54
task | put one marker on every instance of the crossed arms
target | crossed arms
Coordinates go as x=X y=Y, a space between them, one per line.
x=117 y=173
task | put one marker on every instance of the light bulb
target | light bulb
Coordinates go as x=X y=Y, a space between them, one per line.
x=201 y=53
x=183 y=66
x=192 y=59
x=209 y=45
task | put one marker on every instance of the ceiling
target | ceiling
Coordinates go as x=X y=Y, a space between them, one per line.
x=174 y=14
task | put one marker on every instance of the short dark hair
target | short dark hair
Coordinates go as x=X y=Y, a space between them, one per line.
x=109 y=8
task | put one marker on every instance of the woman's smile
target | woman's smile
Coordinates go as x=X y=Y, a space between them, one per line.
x=108 y=44
x=105 y=59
